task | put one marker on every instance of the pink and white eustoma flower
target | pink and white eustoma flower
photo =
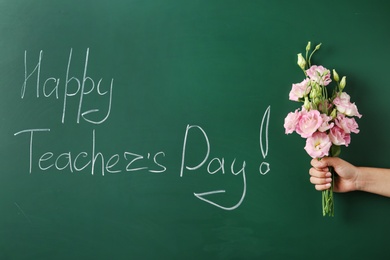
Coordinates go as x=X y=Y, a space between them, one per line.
x=318 y=145
x=326 y=124
x=348 y=124
x=339 y=137
x=344 y=105
x=300 y=90
x=308 y=123
x=291 y=121
x=319 y=74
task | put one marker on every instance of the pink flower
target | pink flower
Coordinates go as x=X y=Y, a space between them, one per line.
x=291 y=121
x=339 y=137
x=318 y=145
x=319 y=74
x=344 y=105
x=325 y=123
x=308 y=123
x=299 y=90
x=348 y=124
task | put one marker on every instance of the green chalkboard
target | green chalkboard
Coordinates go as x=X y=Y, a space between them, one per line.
x=154 y=129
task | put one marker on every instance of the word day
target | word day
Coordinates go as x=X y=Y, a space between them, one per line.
x=70 y=88
x=217 y=164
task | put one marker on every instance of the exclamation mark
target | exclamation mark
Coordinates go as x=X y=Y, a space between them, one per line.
x=264 y=167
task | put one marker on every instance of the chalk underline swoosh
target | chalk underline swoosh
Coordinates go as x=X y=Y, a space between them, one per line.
x=202 y=196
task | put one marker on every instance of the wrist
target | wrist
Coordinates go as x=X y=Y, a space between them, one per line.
x=360 y=180
x=373 y=180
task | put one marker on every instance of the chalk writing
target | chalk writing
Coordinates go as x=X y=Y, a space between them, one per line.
x=77 y=162
x=95 y=161
x=72 y=87
x=31 y=131
x=264 y=167
x=220 y=167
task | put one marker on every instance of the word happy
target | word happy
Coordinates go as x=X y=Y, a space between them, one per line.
x=71 y=88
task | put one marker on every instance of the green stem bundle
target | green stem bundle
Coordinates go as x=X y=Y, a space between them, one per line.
x=327 y=198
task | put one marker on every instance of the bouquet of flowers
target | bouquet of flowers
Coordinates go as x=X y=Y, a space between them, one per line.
x=326 y=118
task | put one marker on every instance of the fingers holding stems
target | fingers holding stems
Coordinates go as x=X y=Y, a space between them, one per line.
x=321 y=178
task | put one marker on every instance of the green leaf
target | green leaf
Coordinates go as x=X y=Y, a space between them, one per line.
x=335 y=150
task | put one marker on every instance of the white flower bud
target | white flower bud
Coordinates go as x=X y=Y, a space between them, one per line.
x=306 y=105
x=343 y=83
x=334 y=113
x=308 y=46
x=335 y=76
x=301 y=61
x=318 y=46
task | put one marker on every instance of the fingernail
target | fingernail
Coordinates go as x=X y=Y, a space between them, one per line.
x=328 y=174
x=328 y=180
x=327 y=185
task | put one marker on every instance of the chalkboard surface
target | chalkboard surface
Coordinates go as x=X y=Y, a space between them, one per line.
x=154 y=129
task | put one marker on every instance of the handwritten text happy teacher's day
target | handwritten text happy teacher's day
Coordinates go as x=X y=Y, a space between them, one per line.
x=73 y=90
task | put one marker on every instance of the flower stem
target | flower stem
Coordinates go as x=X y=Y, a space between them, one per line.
x=327 y=199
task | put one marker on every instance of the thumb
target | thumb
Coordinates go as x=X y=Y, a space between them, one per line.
x=324 y=162
x=331 y=161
